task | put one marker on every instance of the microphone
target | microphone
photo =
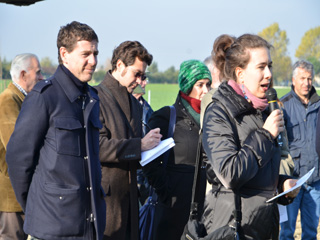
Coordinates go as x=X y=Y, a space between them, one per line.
x=273 y=105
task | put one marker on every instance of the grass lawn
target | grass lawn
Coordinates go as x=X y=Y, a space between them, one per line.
x=165 y=94
x=4 y=83
x=162 y=94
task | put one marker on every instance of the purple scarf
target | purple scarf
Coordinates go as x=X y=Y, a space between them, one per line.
x=257 y=103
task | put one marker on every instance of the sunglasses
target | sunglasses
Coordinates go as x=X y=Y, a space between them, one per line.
x=140 y=75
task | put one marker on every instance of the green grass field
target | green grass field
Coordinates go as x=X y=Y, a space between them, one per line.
x=3 y=84
x=165 y=94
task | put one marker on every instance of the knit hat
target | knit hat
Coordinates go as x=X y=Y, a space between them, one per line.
x=190 y=72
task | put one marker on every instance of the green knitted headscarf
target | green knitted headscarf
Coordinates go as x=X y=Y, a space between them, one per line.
x=190 y=72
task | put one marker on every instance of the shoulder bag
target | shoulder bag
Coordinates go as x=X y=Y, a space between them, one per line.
x=194 y=229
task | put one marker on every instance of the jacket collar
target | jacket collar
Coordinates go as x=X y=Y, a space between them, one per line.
x=120 y=93
x=313 y=97
x=69 y=87
x=235 y=103
x=183 y=112
x=82 y=86
x=14 y=89
x=110 y=82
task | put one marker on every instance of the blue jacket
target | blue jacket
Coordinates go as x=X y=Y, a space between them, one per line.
x=300 y=123
x=318 y=135
x=146 y=114
x=53 y=160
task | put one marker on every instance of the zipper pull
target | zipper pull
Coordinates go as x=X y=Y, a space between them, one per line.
x=83 y=101
x=91 y=217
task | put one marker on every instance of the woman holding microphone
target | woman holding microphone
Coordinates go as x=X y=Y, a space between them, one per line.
x=239 y=138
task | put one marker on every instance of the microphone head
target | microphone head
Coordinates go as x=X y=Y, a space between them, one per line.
x=271 y=94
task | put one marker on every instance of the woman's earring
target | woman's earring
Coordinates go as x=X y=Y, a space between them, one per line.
x=244 y=93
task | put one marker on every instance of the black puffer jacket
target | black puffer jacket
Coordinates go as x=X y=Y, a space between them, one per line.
x=241 y=155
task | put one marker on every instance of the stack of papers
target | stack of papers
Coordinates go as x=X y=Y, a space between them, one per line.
x=150 y=155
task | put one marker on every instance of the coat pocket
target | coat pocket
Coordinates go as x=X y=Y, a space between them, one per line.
x=293 y=131
x=68 y=133
x=60 y=210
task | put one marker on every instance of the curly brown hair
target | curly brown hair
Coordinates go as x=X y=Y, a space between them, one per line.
x=127 y=53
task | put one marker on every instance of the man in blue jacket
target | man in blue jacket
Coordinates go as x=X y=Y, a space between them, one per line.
x=53 y=154
x=147 y=111
x=301 y=106
x=318 y=135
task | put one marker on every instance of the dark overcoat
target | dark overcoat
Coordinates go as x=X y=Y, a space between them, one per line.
x=173 y=184
x=53 y=161
x=120 y=152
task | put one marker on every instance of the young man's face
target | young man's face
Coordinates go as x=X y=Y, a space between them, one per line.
x=130 y=76
x=82 y=60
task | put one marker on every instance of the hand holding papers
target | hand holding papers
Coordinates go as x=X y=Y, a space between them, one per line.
x=299 y=183
x=150 y=155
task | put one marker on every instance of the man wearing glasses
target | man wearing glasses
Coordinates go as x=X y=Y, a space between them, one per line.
x=121 y=141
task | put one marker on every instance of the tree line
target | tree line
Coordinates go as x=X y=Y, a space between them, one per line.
x=309 y=49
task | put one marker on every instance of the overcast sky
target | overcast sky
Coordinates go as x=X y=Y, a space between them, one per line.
x=172 y=30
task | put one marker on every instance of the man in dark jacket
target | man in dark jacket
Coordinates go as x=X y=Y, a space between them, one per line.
x=318 y=135
x=121 y=141
x=301 y=107
x=53 y=154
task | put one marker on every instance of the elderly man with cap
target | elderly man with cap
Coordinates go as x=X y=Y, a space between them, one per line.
x=173 y=184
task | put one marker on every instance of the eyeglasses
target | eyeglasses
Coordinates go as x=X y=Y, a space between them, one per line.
x=140 y=75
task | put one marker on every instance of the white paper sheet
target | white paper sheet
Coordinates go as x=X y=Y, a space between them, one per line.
x=150 y=155
x=283 y=213
x=299 y=183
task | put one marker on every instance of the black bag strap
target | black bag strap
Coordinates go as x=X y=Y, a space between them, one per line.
x=198 y=193
x=118 y=106
x=171 y=127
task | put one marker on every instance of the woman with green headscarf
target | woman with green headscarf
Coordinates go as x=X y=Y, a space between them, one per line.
x=173 y=184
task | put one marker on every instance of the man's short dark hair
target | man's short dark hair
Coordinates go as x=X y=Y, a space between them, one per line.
x=73 y=32
x=127 y=53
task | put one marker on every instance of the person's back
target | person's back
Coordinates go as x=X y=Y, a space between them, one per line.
x=216 y=81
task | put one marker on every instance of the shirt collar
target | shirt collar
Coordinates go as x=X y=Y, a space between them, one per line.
x=20 y=88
